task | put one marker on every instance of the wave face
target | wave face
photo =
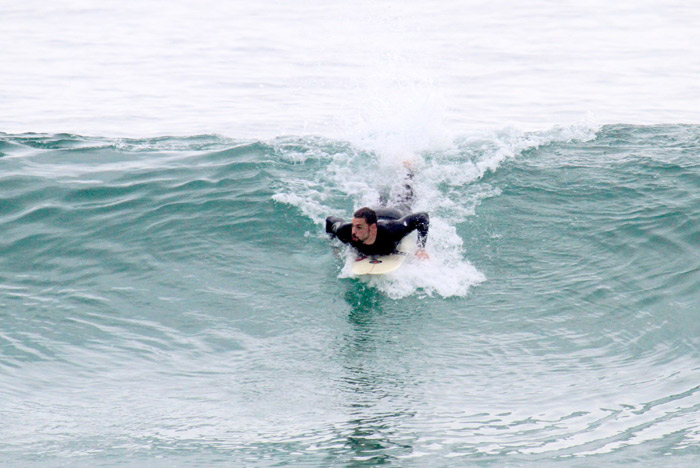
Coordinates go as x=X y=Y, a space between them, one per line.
x=175 y=301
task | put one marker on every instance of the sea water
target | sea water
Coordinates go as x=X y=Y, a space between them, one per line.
x=168 y=296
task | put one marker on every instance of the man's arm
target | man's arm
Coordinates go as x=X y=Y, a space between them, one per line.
x=419 y=222
x=337 y=227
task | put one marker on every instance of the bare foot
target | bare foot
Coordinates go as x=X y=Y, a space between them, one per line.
x=422 y=254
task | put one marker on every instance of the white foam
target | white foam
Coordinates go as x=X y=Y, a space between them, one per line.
x=447 y=183
x=447 y=273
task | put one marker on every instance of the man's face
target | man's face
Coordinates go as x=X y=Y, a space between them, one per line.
x=360 y=229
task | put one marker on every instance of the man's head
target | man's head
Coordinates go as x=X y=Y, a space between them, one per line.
x=364 y=226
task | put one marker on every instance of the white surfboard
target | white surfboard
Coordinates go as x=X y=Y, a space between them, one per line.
x=383 y=264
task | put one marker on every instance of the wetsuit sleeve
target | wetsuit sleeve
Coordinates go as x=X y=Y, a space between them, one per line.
x=336 y=227
x=419 y=222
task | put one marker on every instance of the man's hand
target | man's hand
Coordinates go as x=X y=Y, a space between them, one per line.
x=422 y=254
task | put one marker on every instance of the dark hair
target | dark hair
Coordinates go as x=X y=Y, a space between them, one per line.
x=367 y=213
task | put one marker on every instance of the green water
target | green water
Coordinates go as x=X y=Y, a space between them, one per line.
x=175 y=302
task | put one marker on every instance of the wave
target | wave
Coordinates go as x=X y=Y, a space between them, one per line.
x=567 y=256
x=83 y=191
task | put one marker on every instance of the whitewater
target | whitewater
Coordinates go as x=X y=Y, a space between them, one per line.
x=168 y=295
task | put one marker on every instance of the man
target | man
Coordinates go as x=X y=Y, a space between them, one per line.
x=379 y=231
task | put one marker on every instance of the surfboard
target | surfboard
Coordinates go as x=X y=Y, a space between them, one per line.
x=383 y=264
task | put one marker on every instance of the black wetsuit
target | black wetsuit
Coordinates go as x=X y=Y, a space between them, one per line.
x=391 y=228
x=392 y=225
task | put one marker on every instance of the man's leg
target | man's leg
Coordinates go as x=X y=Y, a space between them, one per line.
x=403 y=200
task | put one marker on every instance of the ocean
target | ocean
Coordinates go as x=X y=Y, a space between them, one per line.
x=168 y=295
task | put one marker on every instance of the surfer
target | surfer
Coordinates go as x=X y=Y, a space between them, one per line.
x=378 y=231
